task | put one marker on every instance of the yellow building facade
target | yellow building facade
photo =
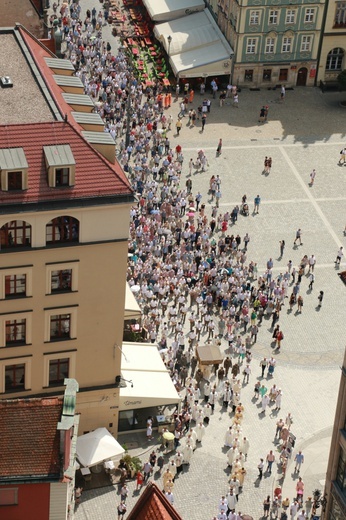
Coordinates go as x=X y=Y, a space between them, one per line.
x=64 y=220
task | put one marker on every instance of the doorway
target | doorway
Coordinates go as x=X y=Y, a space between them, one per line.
x=301 y=77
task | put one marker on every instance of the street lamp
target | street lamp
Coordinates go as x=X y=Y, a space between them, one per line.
x=169 y=39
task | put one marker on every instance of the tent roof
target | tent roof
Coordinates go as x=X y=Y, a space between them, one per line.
x=163 y=10
x=132 y=309
x=209 y=354
x=198 y=46
x=97 y=446
x=152 y=386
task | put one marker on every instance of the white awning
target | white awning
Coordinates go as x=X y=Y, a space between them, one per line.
x=97 y=446
x=164 y=10
x=152 y=385
x=132 y=309
x=198 y=47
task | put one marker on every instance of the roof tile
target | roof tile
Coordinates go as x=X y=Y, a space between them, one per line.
x=30 y=442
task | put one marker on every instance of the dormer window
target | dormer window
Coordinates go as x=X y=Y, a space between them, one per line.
x=60 y=165
x=14 y=169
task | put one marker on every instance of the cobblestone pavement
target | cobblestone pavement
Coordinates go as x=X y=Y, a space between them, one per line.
x=304 y=132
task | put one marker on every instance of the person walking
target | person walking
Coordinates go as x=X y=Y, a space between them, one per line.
x=339 y=255
x=342 y=156
x=311 y=280
x=270 y=460
x=299 y=460
x=122 y=509
x=266 y=507
x=300 y=303
x=312 y=177
x=282 y=248
x=178 y=125
x=204 y=119
x=298 y=237
x=219 y=148
x=260 y=469
x=320 y=298
x=257 y=202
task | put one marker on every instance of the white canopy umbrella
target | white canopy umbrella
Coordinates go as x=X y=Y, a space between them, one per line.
x=97 y=446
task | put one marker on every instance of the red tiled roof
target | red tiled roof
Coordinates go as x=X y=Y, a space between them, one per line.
x=153 y=505
x=30 y=442
x=95 y=176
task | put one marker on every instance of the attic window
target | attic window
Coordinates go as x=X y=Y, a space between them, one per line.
x=60 y=165
x=14 y=169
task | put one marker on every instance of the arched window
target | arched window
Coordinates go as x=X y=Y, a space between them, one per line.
x=335 y=59
x=16 y=233
x=62 y=230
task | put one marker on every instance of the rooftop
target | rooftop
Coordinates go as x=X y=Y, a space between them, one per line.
x=153 y=505
x=25 y=12
x=29 y=438
x=94 y=177
x=25 y=101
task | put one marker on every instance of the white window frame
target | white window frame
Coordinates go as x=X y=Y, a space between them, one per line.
x=251 y=43
x=71 y=356
x=290 y=16
x=16 y=271
x=340 y=13
x=27 y=316
x=287 y=44
x=60 y=267
x=27 y=361
x=269 y=46
x=255 y=17
x=274 y=14
x=72 y=311
x=306 y=43
x=309 y=15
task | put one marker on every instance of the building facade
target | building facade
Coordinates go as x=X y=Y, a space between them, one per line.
x=37 y=466
x=333 y=45
x=64 y=223
x=274 y=41
x=335 y=487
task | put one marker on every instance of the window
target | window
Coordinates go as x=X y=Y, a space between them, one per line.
x=290 y=16
x=60 y=326
x=254 y=17
x=305 y=45
x=15 y=286
x=269 y=48
x=8 y=496
x=340 y=13
x=13 y=166
x=286 y=44
x=14 y=377
x=14 y=181
x=251 y=46
x=58 y=371
x=267 y=74
x=15 y=332
x=341 y=472
x=15 y=234
x=61 y=280
x=273 y=17
x=62 y=176
x=248 y=75
x=335 y=59
x=62 y=230
x=309 y=15
x=283 y=75
x=60 y=164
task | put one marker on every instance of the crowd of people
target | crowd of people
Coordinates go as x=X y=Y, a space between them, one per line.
x=189 y=270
